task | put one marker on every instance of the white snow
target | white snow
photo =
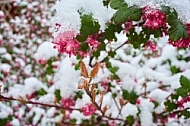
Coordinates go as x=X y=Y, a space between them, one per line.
x=45 y=51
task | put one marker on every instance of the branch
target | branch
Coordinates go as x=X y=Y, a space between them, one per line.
x=92 y=57
x=36 y=103
x=53 y=105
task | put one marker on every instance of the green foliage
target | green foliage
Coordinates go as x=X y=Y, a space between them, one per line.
x=106 y=2
x=113 y=70
x=184 y=90
x=110 y=31
x=73 y=121
x=116 y=4
x=177 y=29
x=148 y=32
x=130 y=96
x=124 y=13
x=130 y=119
x=185 y=82
x=5 y=120
x=88 y=26
x=137 y=39
x=100 y=48
x=49 y=69
x=174 y=69
x=78 y=95
x=156 y=104
x=185 y=113
x=77 y=66
x=41 y=92
x=84 y=46
x=58 y=94
x=111 y=54
x=170 y=106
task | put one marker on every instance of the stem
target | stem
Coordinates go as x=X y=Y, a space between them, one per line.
x=115 y=50
x=36 y=103
x=91 y=58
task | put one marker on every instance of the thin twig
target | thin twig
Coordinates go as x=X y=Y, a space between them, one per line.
x=37 y=103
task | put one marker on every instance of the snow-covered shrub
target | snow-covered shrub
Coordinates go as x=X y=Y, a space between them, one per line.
x=121 y=62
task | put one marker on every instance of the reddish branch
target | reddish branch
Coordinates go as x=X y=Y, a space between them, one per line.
x=2 y=98
x=36 y=103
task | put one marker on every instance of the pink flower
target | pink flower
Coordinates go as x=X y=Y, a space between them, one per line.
x=42 y=61
x=84 y=53
x=66 y=43
x=183 y=101
x=127 y=26
x=67 y=102
x=8 y=124
x=88 y=109
x=184 y=43
x=153 y=18
x=150 y=45
x=91 y=40
x=138 y=102
x=112 y=123
x=105 y=84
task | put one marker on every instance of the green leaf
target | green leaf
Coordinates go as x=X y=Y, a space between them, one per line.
x=124 y=13
x=88 y=26
x=137 y=39
x=113 y=69
x=73 y=121
x=116 y=4
x=77 y=66
x=166 y=9
x=156 y=104
x=170 y=106
x=3 y=121
x=112 y=53
x=182 y=91
x=84 y=46
x=130 y=119
x=185 y=82
x=174 y=69
x=121 y=15
x=78 y=95
x=157 y=33
x=106 y=2
x=103 y=124
x=135 y=13
x=49 y=70
x=186 y=114
x=177 y=30
x=130 y=96
x=108 y=64
x=58 y=94
x=172 y=17
x=41 y=92
x=110 y=31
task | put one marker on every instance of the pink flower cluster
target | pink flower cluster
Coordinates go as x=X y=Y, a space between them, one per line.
x=153 y=18
x=127 y=26
x=150 y=45
x=183 y=101
x=88 y=109
x=93 y=43
x=67 y=102
x=184 y=43
x=66 y=42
